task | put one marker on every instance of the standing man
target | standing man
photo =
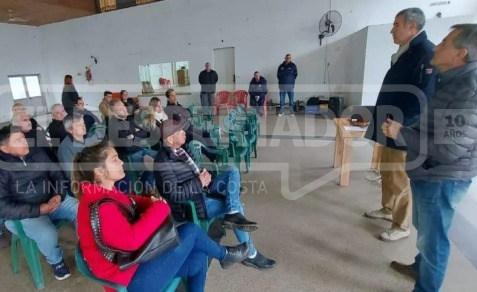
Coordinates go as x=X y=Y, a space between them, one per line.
x=286 y=75
x=441 y=154
x=407 y=85
x=208 y=79
x=258 y=90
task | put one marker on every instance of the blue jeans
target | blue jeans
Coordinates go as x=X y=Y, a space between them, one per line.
x=189 y=259
x=138 y=157
x=228 y=184
x=434 y=206
x=43 y=232
x=291 y=97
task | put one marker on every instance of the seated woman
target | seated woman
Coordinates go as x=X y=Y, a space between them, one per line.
x=96 y=169
x=151 y=119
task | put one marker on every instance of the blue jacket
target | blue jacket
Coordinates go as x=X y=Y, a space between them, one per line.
x=286 y=75
x=258 y=87
x=407 y=86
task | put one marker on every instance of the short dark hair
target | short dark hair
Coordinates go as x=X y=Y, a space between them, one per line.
x=122 y=92
x=68 y=77
x=6 y=132
x=107 y=92
x=169 y=91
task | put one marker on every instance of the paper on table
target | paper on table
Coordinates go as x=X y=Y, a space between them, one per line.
x=355 y=129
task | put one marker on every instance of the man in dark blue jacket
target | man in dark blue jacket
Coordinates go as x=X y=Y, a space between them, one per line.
x=32 y=190
x=286 y=74
x=208 y=79
x=406 y=87
x=441 y=155
x=258 y=90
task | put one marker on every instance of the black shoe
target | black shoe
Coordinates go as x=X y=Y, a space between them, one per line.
x=260 y=262
x=235 y=254
x=406 y=270
x=238 y=221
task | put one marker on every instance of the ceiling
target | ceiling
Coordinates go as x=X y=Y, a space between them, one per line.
x=40 y=12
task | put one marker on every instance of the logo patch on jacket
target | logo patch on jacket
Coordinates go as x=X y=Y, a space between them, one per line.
x=429 y=70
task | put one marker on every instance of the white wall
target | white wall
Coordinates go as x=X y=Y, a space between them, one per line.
x=20 y=53
x=262 y=32
x=380 y=47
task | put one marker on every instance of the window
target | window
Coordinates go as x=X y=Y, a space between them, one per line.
x=25 y=86
x=156 y=77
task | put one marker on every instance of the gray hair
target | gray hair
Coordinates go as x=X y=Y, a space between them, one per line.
x=413 y=15
x=467 y=39
x=69 y=119
x=53 y=107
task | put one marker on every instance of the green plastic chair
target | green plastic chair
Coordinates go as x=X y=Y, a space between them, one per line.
x=196 y=150
x=86 y=272
x=30 y=252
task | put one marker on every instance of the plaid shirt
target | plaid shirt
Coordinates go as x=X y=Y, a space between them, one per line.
x=183 y=155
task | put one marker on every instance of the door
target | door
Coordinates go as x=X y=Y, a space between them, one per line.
x=224 y=65
x=26 y=89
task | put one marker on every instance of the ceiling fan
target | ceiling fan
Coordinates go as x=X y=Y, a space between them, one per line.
x=13 y=18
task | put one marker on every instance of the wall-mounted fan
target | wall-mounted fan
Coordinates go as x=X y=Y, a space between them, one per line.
x=330 y=23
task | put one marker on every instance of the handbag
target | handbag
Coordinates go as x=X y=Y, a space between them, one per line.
x=163 y=239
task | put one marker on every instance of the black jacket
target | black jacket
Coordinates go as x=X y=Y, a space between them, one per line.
x=119 y=130
x=27 y=183
x=57 y=132
x=407 y=86
x=207 y=81
x=177 y=182
x=258 y=87
x=286 y=75
x=69 y=97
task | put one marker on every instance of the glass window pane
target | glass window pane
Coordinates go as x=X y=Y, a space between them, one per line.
x=33 y=85
x=17 y=87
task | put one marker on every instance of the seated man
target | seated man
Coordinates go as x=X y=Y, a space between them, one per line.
x=19 y=108
x=175 y=110
x=56 y=129
x=32 y=191
x=126 y=136
x=35 y=138
x=74 y=142
x=89 y=118
x=178 y=178
x=257 y=90
x=129 y=103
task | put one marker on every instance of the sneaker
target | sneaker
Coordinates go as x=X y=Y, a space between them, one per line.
x=61 y=270
x=379 y=214
x=394 y=234
x=280 y=114
x=260 y=262
x=292 y=115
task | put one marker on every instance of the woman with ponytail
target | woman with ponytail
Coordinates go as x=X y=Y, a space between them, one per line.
x=95 y=171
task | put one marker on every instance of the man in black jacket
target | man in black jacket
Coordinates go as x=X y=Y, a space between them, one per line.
x=257 y=90
x=441 y=155
x=178 y=179
x=208 y=79
x=33 y=190
x=406 y=87
x=126 y=137
x=287 y=74
x=56 y=129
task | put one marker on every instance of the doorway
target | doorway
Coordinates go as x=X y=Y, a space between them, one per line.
x=224 y=65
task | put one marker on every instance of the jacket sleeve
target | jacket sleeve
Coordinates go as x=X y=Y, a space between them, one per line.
x=265 y=86
x=295 y=71
x=143 y=203
x=118 y=233
x=174 y=190
x=201 y=78
x=216 y=77
x=13 y=210
x=66 y=158
x=278 y=72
